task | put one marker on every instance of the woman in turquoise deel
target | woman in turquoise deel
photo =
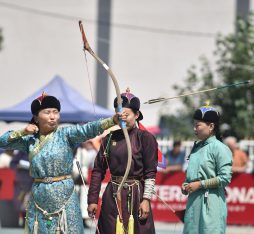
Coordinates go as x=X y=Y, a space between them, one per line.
x=53 y=206
x=208 y=173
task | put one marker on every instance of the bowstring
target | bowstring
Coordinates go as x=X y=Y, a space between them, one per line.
x=89 y=80
x=92 y=96
x=167 y=205
x=95 y=224
x=94 y=221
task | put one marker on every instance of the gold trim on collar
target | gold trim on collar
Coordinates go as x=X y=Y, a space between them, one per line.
x=42 y=141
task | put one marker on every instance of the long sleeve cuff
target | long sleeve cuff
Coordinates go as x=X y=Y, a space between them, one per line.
x=210 y=183
x=149 y=188
x=107 y=123
x=16 y=135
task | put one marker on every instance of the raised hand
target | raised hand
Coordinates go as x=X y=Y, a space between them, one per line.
x=31 y=129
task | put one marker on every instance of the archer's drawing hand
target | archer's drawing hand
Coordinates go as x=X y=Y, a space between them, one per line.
x=31 y=129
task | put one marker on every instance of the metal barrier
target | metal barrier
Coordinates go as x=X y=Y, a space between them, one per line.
x=246 y=145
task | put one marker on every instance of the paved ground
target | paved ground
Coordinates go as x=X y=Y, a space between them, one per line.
x=161 y=228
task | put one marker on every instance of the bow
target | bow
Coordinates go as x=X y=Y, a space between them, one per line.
x=119 y=108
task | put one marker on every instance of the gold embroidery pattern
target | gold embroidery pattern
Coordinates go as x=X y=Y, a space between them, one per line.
x=107 y=123
x=16 y=135
x=43 y=140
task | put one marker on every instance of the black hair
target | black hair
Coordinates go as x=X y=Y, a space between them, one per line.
x=176 y=143
x=217 y=131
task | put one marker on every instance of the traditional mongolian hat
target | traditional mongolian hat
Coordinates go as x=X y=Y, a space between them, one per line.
x=43 y=102
x=130 y=101
x=207 y=114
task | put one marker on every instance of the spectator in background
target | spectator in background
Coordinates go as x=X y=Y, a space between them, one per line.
x=23 y=185
x=240 y=158
x=175 y=158
x=5 y=158
x=85 y=155
x=13 y=213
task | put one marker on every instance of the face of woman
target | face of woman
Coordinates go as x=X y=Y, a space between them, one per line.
x=48 y=120
x=203 y=130
x=129 y=117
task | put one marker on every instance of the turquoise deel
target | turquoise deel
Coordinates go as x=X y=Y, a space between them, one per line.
x=54 y=159
x=206 y=210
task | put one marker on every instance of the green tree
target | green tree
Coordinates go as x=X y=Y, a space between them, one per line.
x=234 y=63
x=177 y=126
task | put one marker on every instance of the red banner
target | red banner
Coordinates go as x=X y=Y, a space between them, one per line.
x=168 y=189
x=240 y=198
x=240 y=195
x=7 y=177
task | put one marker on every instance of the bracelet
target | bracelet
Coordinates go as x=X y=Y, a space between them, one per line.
x=148 y=188
x=210 y=183
x=202 y=184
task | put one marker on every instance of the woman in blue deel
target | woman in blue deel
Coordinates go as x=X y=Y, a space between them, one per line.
x=54 y=205
x=208 y=173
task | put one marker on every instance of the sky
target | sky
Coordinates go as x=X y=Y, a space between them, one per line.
x=152 y=44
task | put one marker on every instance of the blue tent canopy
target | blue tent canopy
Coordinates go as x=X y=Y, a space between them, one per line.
x=74 y=107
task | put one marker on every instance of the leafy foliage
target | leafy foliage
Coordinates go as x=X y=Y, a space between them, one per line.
x=234 y=63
